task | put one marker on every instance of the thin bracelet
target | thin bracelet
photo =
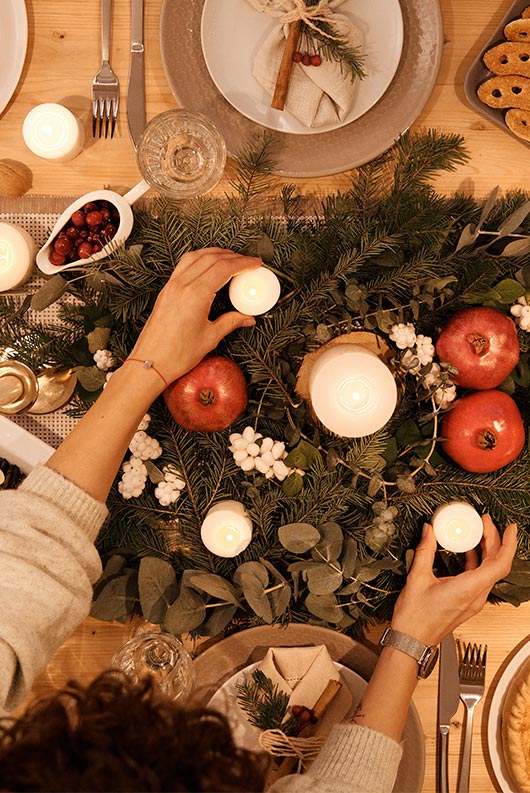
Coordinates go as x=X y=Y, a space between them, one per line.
x=148 y=365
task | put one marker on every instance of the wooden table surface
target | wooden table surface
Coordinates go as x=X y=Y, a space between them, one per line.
x=63 y=55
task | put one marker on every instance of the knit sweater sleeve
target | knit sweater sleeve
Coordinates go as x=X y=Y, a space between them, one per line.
x=48 y=564
x=354 y=758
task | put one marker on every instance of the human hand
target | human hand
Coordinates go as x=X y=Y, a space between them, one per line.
x=429 y=608
x=178 y=333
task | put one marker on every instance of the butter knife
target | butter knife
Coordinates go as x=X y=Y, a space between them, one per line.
x=136 y=87
x=448 y=698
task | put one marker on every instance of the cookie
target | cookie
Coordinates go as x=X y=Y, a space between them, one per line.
x=515 y=728
x=510 y=57
x=510 y=90
x=518 y=121
x=518 y=30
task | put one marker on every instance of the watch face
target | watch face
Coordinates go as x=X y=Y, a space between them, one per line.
x=428 y=663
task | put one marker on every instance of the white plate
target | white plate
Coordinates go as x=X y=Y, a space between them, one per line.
x=20 y=447
x=229 y=50
x=504 y=778
x=13 y=45
x=225 y=701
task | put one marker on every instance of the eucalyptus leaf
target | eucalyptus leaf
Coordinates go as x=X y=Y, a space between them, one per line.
x=325 y=607
x=509 y=290
x=49 y=292
x=98 y=339
x=293 y=484
x=214 y=585
x=323 y=579
x=280 y=599
x=219 y=618
x=90 y=377
x=298 y=537
x=518 y=247
x=514 y=220
x=253 y=577
x=186 y=613
x=153 y=472
x=116 y=600
x=157 y=587
x=330 y=546
x=350 y=556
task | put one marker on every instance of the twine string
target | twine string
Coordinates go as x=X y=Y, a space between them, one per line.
x=290 y=11
x=278 y=744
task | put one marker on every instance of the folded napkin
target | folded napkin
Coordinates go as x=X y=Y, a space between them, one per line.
x=317 y=95
x=303 y=673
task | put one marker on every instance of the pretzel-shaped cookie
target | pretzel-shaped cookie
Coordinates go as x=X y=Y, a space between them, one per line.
x=510 y=57
x=518 y=121
x=518 y=29
x=506 y=91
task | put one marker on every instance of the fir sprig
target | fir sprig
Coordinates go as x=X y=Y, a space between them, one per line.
x=265 y=706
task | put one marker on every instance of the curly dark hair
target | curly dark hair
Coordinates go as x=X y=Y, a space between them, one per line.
x=116 y=735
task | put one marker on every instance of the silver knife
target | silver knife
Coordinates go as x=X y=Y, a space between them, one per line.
x=136 y=88
x=448 y=698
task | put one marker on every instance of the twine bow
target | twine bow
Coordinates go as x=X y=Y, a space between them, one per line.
x=278 y=744
x=296 y=10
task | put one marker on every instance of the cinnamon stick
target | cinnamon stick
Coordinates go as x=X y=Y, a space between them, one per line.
x=321 y=705
x=286 y=65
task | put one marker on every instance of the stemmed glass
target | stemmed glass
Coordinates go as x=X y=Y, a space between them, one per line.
x=161 y=656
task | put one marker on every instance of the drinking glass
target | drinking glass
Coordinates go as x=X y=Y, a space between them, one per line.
x=161 y=656
x=181 y=154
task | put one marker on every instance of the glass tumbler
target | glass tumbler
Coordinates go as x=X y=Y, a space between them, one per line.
x=161 y=656
x=181 y=154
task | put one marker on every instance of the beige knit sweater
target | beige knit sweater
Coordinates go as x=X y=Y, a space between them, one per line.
x=48 y=564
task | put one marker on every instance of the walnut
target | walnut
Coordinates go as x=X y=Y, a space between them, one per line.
x=15 y=178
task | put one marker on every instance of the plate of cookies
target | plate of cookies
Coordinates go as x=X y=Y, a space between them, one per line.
x=509 y=724
x=498 y=83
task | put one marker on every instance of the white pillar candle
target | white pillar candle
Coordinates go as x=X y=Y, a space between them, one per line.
x=254 y=291
x=226 y=529
x=53 y=132
x=17 y=256
x=353 y=393
x=457 y=526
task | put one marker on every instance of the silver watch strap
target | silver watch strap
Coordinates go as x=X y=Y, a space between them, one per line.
x=402 y=641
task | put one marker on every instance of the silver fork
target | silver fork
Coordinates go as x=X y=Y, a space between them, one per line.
x=472 y=676
x=105 y=85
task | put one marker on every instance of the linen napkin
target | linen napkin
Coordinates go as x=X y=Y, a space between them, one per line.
x=303 y=673
x=317 y=95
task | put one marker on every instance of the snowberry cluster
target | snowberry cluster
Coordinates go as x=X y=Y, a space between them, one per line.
x=104 y=360
x=521 y=310
x=144 y=446
x=253 y=452
x=419 y=352
x=134 y=472
x=168 y=491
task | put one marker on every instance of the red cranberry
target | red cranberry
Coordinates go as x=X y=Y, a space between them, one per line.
x=297 y=56
x=72 y=233
x=108 y=231
x=316 y=60
x=94 y=218
x=105 y=213
x=57 y=258
x=63 y=245
x=306 y=59
x=96 y=247
x=90 y=206
x=85 y=250
x=78 y=218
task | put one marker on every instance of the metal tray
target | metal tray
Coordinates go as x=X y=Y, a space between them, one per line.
x=478 y=73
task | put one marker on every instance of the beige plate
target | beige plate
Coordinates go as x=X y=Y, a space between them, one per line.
x=309 y=155
x=55 y=390
x=215 y=665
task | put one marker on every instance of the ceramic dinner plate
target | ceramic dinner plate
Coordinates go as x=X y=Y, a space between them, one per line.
x=215 y=665
x=13 y=45
x=225 y=701
x=502 y=773
x=236 y=27
x=308 y=155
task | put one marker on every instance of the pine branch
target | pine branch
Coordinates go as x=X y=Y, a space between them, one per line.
x=266 y=707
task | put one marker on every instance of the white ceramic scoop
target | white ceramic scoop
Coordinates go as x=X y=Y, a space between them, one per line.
x=123 y=205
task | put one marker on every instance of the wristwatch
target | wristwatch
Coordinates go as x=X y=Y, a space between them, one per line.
x=425 y=656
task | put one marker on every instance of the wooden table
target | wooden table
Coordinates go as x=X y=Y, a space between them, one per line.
x=63 y=55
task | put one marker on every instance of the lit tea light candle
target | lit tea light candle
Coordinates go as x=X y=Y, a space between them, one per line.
x=457 y=526
x=254 y=291
x=226 y=529
x=17 y=256
x=53 y=132
x=353 y=393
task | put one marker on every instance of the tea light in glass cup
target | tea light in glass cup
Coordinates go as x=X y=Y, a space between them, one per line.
x=254 y=291
x=353 y=392
x=457 y=526
x=226 y=530
x=53 y=132
x=17 y=256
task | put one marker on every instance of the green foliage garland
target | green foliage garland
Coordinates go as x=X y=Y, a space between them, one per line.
x=331 y=547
